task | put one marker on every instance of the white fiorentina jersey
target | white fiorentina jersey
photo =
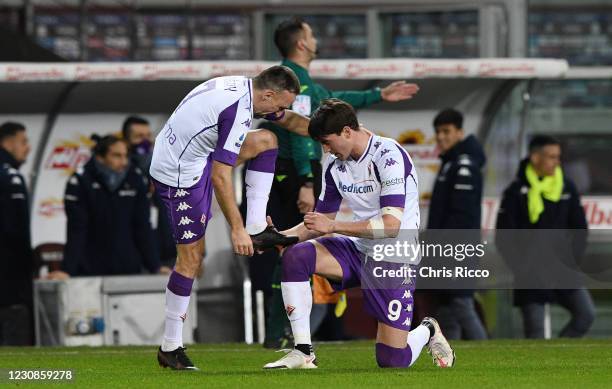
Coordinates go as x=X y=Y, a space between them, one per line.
x=384 y=176
x=211 y=122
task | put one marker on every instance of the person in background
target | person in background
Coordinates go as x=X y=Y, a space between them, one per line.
x=137 y=132
x=108 y=219
x=456 y=205
x=16 y=259
x=542 y=198
x=297 y=176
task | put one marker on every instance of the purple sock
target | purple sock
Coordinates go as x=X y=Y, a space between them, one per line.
x=299 y=262
x=264 y=162
x=179 y=284
x=387 y=356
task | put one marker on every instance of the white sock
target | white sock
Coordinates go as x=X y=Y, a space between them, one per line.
x=258 y=186
x=298 y=304
x=176 y=306
x=417 y=339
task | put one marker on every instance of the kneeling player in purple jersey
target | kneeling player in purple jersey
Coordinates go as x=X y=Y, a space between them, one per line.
x=204 y=138
x=376 y=177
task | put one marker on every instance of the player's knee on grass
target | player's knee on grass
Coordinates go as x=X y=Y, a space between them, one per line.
x=387 y=356
x=299 y=262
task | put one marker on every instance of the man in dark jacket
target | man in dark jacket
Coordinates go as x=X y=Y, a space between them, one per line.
x=16 y=259
x=137 y=132
x=542 y=201
x=107 y=209
x=455 y=205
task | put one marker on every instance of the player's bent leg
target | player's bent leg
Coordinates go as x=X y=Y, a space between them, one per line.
x=260 y=149
x=299 y=263
x=255 y=143
x=391 y=347
x=172 y=353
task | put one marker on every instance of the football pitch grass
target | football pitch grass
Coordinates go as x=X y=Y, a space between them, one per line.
x=491 y=364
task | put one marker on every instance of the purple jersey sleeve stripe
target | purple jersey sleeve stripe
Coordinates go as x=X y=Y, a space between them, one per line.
x=224 y=156
x=331 y=198
x=394 y=200
x=407 y=164
x=224 y=125
x=376 y=173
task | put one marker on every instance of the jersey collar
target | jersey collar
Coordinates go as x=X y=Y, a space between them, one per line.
x=367 y=150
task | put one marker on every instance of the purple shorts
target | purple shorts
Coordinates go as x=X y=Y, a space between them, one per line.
x=388 y=299
x=188 y=209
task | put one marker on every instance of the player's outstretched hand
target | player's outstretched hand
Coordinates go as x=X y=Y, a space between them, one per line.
x=242 y=243
x=398 y=91
x=318 y=222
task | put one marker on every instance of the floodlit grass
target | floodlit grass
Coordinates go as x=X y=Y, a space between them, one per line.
x=492 y=364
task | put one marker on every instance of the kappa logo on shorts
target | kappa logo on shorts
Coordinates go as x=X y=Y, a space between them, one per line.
x=183 y=206
x=188 y=235
x=407 y=294
x=181 y=193
x=289 y=309
x=203 y=219
x=408 y=308
x=183 y=317
x=406 y=322
x=185 y=221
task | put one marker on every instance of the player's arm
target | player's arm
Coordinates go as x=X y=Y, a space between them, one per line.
x=221 y=176
x=224 y=158
x=303 y=233
x=293 y=122
x=385 y=226
x=394 y=92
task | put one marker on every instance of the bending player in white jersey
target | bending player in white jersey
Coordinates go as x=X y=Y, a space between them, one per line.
x=206 y=135
x=377 y=179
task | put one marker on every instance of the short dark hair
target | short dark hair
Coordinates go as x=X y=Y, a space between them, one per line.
x=448 y=116
x=278 y=78
x=127 y=125
x=103 y=143
x=9 y=129
x=540 y=141
x=331 y=117
x=287 y=34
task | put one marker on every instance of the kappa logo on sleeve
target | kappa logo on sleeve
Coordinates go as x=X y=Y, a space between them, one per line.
x=390 y=162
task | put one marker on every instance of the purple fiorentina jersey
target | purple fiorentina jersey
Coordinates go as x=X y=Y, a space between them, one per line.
x=384 y=176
